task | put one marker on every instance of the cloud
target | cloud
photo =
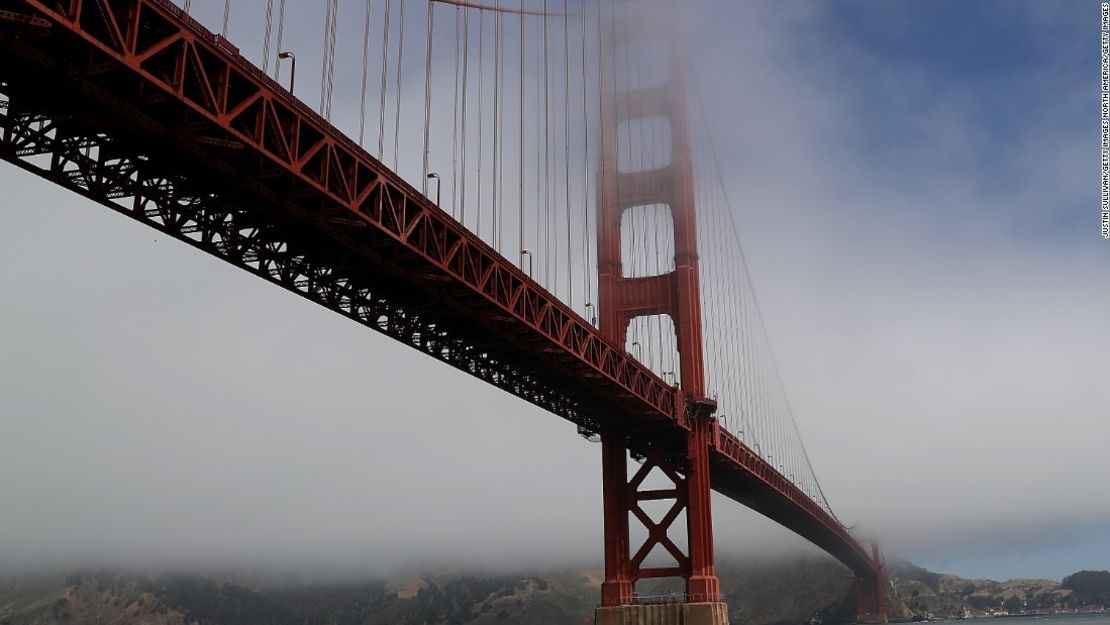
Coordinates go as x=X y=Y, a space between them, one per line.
x=936 y=296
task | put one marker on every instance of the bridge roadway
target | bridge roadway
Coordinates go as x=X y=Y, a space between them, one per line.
x=134 y=105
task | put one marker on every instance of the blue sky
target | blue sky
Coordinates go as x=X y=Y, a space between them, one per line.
x=1014 y=67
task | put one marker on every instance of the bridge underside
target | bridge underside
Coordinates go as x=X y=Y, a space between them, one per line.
x=90 y=130
x=76 y=114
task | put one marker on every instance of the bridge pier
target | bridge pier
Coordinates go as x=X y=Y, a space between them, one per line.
x=870 y=601
x=715 y=613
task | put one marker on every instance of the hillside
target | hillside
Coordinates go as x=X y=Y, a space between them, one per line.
x=920 y=593
x=758 y=593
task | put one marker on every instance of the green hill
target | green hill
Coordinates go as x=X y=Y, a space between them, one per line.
x=758 y=593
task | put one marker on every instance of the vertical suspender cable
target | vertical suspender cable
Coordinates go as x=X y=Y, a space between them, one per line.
x=464 y=99
x=266 y=37
x=566 y=145
x=601 y=128
x=280 y=37
x=586 y=268
x=495 y=239
x=548 y=248
x=325 y=60
x=397 y=105
x=227 y=18
x=655 y=160
x=455 y=119
x=520 y=154
x=541 y=153
x=428 y=92
x=328 y=67
x=385 y=72
x=331 y=53
x=481 y=93
x=365 y=69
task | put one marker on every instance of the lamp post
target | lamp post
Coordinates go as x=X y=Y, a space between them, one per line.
x=435 y=176
x=292 y=67
x=528 y=253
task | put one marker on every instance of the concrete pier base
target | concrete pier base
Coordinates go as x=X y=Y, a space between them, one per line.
x=671 y=614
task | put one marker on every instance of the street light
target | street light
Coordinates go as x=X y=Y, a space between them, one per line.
x=527 y=253
x=435 y=176
x=292 y=67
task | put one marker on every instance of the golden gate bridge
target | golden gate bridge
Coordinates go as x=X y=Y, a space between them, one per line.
x=529 y=193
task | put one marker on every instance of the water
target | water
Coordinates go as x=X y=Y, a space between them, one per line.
x=1102 y=618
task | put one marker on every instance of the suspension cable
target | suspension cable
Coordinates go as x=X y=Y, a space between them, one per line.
x=428 y=93
x=481 y=139
x=465 y=100
x=498 y=78
x=397 y=105
x=280 y=38
x=587 y=281
x=455 y=118
x=227 y=18
x=328 y=67
x=548 y=248
x=266 y=37
x=496 y=7
x=385 y=72
x=520 y=154
x=365 y=68
x=566 y=147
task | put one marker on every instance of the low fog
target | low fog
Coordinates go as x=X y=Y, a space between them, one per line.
x=930 y=270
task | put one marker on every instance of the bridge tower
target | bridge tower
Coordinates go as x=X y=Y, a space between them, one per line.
x=870 y=601
x=676 y=294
